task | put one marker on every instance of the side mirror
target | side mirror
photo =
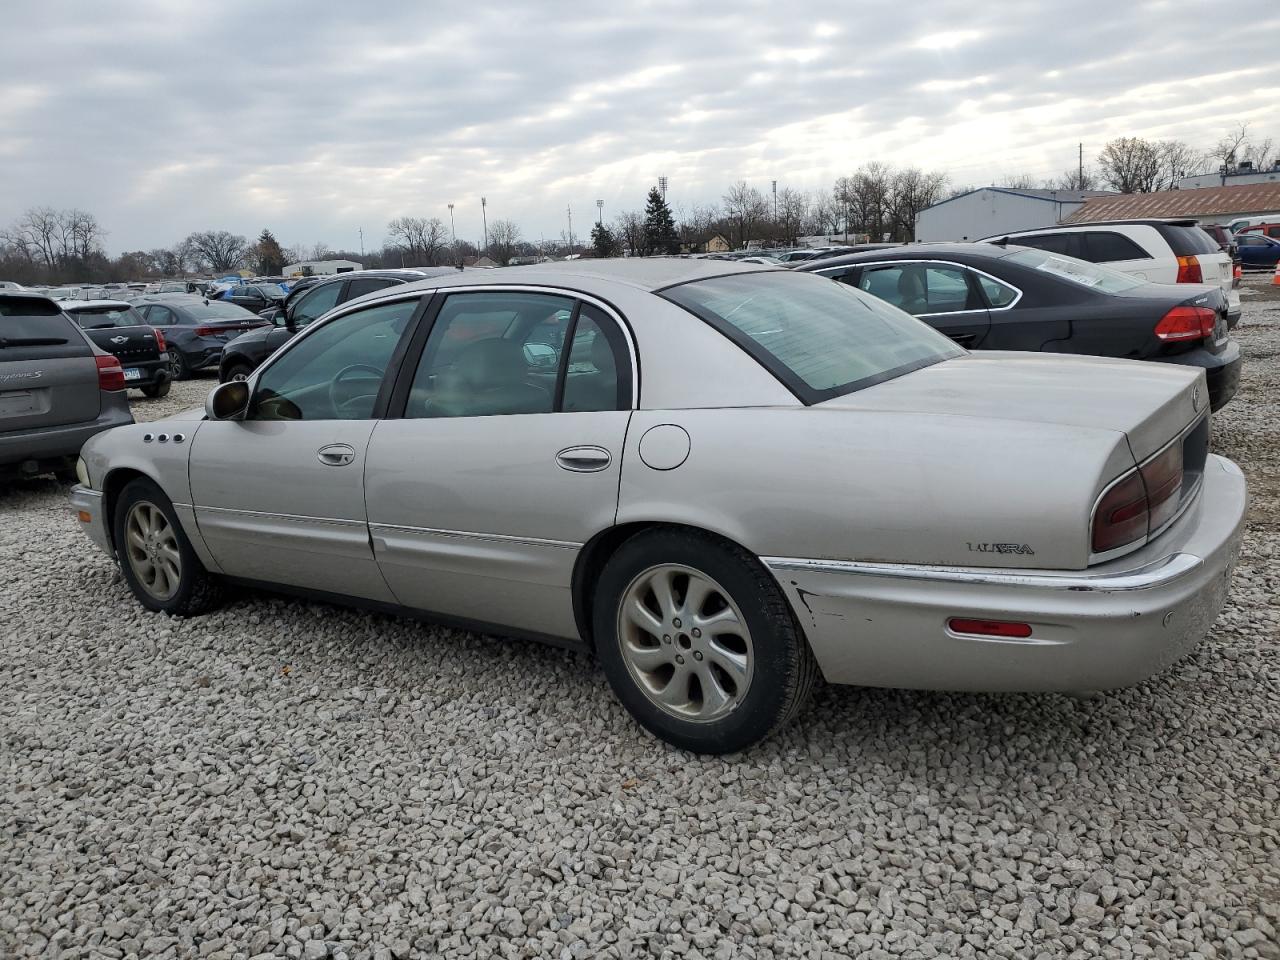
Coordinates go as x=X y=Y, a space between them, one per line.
x=227 y=401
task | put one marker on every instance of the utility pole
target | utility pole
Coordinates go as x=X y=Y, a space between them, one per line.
x=1080 y=171
x=662 y=186
x=569 y=211
x=775 y=201
x=485 y=218
x=599 y=213
x=360 y=230
x=453 y=232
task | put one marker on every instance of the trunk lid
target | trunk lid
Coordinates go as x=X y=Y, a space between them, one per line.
x=130 y=344
x=1151 y=403
x=48 y=376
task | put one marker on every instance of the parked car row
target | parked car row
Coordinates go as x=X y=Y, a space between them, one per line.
x=722 y=478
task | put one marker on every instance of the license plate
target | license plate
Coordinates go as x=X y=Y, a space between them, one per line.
x=132 y=373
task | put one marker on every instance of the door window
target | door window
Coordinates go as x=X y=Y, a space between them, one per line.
x=336 y=372
x=316 y=303
x=1105 y=246
x=358 y=288
x=159 y=316
x=596 y=374
x=920 y=289
x=998 y=294
x=485 y=357
x=1052 y=242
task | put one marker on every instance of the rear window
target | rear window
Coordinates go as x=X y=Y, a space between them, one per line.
x=1090 y=275
x=31 y=325
x=1107 y=246
x=821 y=339
x=92 y=318
x=1188 y=241
x=217 y=311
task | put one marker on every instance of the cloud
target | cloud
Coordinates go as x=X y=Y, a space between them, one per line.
x=317 y=119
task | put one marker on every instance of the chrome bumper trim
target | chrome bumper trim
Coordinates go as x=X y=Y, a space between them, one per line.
x=1157 y=573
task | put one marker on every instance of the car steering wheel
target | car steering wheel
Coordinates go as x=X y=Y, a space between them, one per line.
x=337 y=401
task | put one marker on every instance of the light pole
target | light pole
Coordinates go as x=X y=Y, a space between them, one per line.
x=599 y=213
x=662 y=186
x=453 y=233
x=569 y=211
x=360 y=230
x=485 y=219
x=775 y=201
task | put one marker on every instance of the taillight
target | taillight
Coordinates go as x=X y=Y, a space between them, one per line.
x=1186 y=323
x=1189 y=270
x=204 y=331
x=1237 y=273
x=1141 y=503
x=110 y=373
x=160 y=344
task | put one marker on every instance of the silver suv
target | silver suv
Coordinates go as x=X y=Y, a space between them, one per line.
x=57 y=389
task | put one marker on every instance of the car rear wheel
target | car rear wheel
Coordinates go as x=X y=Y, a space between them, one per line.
x=155 y=556
x=698 y=641
x=178 y=365
x=157 y=390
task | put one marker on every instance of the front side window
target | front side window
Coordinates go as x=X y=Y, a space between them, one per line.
x=920 y=288
x=486 y=356
x=336 y=372
x=820 y=339
x=315 y=304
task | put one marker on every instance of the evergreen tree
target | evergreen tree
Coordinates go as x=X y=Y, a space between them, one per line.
x=659 y=226
x=603 y=240
x=270 y=255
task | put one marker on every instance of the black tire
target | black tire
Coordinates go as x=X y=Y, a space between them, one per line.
x=783 y=670
x=233 y=371
x=198 y=591
x=178 y=365
x=157 y=390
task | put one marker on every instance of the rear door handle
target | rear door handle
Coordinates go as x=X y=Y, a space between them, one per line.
x=586 y=459
x=336 y=454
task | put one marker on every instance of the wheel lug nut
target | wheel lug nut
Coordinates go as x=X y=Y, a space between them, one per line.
x=679 y=659
x=697 y=654
x=697 y=632
x=676 y=623
x=666 y=638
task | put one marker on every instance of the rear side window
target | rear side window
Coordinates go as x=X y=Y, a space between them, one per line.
x=1052 y=242
x=1188 y=241
x=358 y=288
x=33 y=328
x=1107 y=246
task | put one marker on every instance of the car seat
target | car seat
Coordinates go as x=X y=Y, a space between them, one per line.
x=487 y=379
x=911 y=295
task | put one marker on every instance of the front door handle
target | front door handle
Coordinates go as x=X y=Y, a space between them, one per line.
x=336 y=454
x=586 y=459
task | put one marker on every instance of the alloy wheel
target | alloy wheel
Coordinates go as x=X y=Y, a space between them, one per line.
x=151 y=544
x=685 y=643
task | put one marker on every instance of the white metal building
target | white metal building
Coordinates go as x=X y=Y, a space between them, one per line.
x=1242 y=176
x=320 y=268
x=990 y=210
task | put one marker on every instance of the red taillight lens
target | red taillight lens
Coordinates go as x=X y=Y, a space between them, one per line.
x=989 y=628
x=204 y=331
x=1186 y=323
x=1237 y=273
x=160 y=344
x=1189 y=270
x=110 y=373
x=1141 y=503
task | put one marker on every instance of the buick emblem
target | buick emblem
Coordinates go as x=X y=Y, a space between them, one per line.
x=1195 y=398
x=119 y=339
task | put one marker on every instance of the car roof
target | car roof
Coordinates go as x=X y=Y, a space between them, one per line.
x=914 y=251
x=648 y=273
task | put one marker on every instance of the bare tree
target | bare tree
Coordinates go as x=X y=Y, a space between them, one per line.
x=1232 y=147
x=827 y=212
x=504 y=241
x=1130 y=165
x=866 y=194
x=423 y=240
x=1177 y=160
x=219 y=249
x=321 y=251
x=793 y=214
x=911 y=191
x=1077 y=178
x=744 y=210
x=697 y=226
x=1022 y=181
x=628 y=227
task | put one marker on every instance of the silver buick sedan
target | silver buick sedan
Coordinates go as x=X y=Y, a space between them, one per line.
x=721 y=478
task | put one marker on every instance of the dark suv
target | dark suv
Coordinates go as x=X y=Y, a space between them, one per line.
x=57 y=389
x=242 y=355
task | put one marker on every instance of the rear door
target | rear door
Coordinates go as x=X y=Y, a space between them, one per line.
x=1119 y=252
x=48 y=375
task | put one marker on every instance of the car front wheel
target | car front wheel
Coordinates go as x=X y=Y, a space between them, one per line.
x=238 y=371
x=155 y=556
x=178 y=365
x=698 y=641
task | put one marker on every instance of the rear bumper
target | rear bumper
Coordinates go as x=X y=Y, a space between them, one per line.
x=886 y=625
x=30 y=451
x=1221 y=371
x=88 y=508
x=153 y=372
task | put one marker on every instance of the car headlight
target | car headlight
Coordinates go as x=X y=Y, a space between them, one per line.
x=82 y=472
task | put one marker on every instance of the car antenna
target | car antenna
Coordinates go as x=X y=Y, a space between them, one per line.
x=1002 y=242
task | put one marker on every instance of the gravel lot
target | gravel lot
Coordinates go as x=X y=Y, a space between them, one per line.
x=292 y=779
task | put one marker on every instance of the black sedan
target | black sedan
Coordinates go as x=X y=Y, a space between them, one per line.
x=992 y=297
x=195 y=329
x=254 y=297
x=243 y=354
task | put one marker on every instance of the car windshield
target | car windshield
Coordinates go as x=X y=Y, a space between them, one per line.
x=820 y=338
x=93 y=317
x=1091 y=275
x=217 y=311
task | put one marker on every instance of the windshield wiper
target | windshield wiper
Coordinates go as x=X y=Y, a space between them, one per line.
x=31 y=341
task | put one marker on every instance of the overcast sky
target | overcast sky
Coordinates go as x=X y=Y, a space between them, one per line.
x=316 y=119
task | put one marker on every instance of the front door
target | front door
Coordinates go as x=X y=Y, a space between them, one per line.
x=941 y=294
x=505 y=461
x=279 y=495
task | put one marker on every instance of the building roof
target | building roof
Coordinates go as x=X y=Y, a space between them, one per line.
x=1048 y=196
x=1203 y=202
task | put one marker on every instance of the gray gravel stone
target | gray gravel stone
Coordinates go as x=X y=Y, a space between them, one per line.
x=291 y=779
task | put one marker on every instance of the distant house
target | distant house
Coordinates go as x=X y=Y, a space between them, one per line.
x=1208 y=204
x=320 y=268
x=717 y=244
x=990 y=210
